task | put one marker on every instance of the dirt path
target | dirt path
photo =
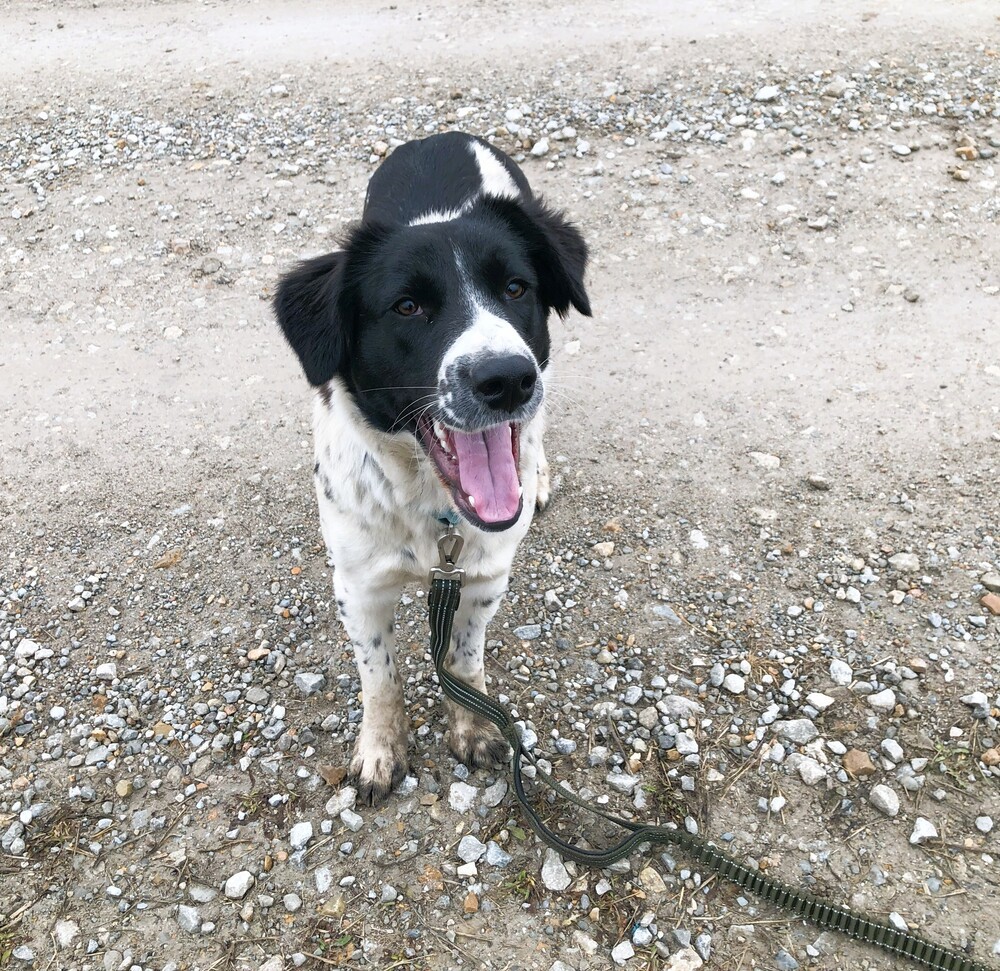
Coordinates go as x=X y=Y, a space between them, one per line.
x=792 y=379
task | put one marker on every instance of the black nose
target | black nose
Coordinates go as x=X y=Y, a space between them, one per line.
x=504 y=383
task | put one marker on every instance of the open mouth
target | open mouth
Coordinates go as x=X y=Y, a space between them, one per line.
x=480 y=469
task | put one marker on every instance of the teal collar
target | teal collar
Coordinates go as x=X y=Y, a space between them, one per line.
x=447 y=518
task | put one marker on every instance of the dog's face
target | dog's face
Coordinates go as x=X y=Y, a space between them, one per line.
x=439 y=330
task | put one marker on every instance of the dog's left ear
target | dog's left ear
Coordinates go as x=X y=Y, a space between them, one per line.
x=306 y=305
x=558 y=252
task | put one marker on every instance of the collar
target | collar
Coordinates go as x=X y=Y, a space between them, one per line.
x=447 y=517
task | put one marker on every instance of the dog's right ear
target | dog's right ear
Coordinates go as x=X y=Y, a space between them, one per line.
x=307 y=305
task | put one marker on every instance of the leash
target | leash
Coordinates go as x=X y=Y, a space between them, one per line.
x=443 y=599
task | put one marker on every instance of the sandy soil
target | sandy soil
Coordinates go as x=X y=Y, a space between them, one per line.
x=816 y=298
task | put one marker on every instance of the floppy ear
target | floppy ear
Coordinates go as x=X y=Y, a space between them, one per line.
x=557 y=250
x=307 y=307
x=562 y=260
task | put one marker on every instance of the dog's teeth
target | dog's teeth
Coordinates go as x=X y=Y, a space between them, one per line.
x=520 y=491
x=471 y=500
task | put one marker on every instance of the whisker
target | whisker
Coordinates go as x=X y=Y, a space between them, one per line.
x=417 y=407
x=399 y=387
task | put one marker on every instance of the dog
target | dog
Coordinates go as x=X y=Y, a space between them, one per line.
x=426 y=337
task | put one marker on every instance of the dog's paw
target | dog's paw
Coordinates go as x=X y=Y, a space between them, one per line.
x=477 y=743
x=543 y=494
x=378 y=766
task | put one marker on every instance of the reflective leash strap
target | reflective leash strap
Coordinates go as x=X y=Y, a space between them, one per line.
x=443 y=599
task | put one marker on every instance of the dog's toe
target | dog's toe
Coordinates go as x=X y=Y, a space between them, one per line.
x=377 y=768
x=543 y=496
x=479 y=745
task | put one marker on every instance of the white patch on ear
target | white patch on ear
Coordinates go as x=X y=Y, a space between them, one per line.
x=496 y=178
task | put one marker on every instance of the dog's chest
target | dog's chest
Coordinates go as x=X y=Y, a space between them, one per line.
x=382 y=507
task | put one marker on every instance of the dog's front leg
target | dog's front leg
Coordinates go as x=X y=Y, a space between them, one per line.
x=367 y=613
x=473 y=739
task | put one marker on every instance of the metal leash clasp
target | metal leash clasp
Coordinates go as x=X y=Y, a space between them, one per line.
x=450 y=545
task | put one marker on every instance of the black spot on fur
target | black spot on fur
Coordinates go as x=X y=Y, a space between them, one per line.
x=369 y=463
x=377 y=640
x=409 y=555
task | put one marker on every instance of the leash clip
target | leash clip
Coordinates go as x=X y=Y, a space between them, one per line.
x=450 y=546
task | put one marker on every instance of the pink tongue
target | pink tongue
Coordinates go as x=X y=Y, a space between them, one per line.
x=486 y=472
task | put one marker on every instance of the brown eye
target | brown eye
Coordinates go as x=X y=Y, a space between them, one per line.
x=514 y=289
x=407 y=307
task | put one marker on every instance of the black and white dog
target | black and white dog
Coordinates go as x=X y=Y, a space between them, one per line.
x=426 y=336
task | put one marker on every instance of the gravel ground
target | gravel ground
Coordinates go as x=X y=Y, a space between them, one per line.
x=765 y=602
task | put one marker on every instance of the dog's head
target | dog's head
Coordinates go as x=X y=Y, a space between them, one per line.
x=439 y=329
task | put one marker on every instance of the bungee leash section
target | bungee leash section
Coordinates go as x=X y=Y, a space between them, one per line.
x=443 y=599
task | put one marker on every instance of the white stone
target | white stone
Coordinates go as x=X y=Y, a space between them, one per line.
x=897 y=921
x=687 y=959
x=923 y=830
x=462 y=796
x=555 y=876
x=811 y=771
x=300 y=835
x=884 y=800
x=686 y=744
x=25 y=649
x=840 y=672
x=883 y=700
x=799 y=730
x=984 y=824
x=540 y=148
x=770 y=92
x=189 y=918
x=238 y=885
x=977 y=699
x=342 y=799
x=310 y=682
x=734 y=683
x=766 y=461
x=622 y=781
x=622 y=952
x=698 y=540
x=819 y=701
x=352 y=820
x=470 y=849
x=65 y=932
x=905 y=562
x=892 y=750
x=106 y=672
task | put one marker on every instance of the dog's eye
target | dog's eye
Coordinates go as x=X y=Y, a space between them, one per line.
x=514 y=289
x=407 y=307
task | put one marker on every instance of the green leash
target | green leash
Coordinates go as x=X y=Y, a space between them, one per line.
x=443 y=599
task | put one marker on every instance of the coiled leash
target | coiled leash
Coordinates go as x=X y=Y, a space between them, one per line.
x=443 y=599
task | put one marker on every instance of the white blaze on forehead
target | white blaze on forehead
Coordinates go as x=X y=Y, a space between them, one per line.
x=438 y=216
x=495 y=177
x=486 y=336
